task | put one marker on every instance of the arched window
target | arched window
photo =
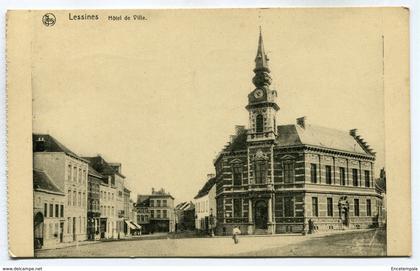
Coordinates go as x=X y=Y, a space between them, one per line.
x=259 y=123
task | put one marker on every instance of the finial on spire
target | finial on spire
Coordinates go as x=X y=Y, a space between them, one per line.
x=262 y=77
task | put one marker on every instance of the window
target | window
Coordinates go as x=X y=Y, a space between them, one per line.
x=68 y=224
x=260 y=172
x=164 y=213
x=74 y=174
x=84 y=176
x=289 y=172
x=112 y=211
x=157 y=213
x=329 y=207
x=237 y=174
x=152 y=203
x=74 y=198
x=355 y=179
x=314 y=206
x=45 y=209
x=152 y=213
x=158 y=203
x=328 y=179
x=356 y=207
x=342 y=176
x=84 y=199
x=367 y=178
x=141 y=218
x=237 y=207
x=79 y=199
x=57 y=210
x=289 y=207
x=368 y=207
x=259 y=123
x=51 y=210
x=313 y=173
x=164 y=203
x=80 y=175
x=69 y=173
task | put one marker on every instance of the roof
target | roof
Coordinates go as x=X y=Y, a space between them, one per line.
x=93 y=172
x=311 y=135
x=43 y=182
x=185 y=206
x=143 y=200
x=50 y=144
x=206 y=188
x=101 y=166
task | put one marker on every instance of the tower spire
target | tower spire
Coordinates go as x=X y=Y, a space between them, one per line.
x=261 y=60
x=262 y=77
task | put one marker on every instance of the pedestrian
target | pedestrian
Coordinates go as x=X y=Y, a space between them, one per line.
x=235 y=232
x=311 y=226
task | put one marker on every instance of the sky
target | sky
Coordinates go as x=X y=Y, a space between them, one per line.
x=162 y=96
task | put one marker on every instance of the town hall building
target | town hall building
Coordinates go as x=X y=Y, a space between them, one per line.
x=287 y=178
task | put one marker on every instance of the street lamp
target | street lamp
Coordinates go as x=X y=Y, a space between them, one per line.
x=211 y=222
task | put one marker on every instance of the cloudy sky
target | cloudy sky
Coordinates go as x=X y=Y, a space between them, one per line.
x=162 y=96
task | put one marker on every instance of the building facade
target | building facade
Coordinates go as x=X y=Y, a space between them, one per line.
x=69 y=172
x=205 y=205
x=94 y=210
x=292 y=178
x=185 y=216
x=49 y=211
x=155 y=212
x=107 y=209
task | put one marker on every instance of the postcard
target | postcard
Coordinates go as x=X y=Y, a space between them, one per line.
x=277 y=132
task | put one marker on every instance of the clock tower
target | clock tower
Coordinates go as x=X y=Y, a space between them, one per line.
x=262 y=106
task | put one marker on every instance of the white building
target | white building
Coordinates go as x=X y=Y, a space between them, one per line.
x=69 y=172
x=107 y=200
x=205 y=205
x=48 y=211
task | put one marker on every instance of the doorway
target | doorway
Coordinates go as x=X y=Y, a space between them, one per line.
x=261 y=214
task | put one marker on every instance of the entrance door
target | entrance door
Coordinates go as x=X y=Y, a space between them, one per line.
x=345 y=217
x=261 y=214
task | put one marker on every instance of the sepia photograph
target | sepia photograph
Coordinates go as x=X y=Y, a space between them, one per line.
x=209 y=133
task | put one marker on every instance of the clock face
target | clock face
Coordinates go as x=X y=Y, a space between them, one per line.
x=258 y=93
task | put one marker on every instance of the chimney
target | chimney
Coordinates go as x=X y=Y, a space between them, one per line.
x=40 y=144
x=301 y=121
x=210 y=175
x=153 y=190
x=353 y=132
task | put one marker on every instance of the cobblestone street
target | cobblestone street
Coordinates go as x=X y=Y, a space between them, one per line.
x=351 y=243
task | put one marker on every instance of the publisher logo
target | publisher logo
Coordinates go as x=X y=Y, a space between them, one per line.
x=48 y=19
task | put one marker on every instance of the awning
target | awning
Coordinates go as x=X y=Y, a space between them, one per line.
x=130 y=225
x=135 y=224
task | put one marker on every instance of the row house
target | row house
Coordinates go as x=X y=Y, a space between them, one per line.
x=49 y=216
x=94 y=210
x=205 y=205
x=70 y=173
x=295 y=177
x=157 y=209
